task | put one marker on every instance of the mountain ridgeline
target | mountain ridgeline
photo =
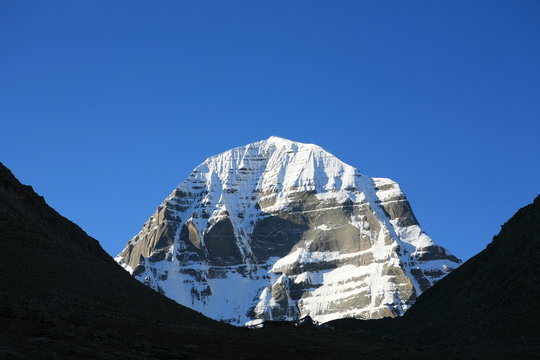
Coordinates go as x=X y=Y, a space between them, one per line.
x=277 y=230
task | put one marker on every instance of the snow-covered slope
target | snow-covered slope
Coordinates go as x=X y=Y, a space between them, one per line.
x=278 y=230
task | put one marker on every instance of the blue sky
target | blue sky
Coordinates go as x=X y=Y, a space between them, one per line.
x=106 y=106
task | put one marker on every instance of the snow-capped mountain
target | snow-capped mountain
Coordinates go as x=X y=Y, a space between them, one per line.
x=278 y=230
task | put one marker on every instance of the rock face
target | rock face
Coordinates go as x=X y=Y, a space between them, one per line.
x=277 y=230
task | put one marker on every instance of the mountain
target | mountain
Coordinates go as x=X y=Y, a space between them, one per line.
x=278 y=230
x=487 y=308
x=63 y=297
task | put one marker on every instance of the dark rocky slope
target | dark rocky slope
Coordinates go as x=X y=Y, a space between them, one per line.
x=489 y=307
x=63 y=297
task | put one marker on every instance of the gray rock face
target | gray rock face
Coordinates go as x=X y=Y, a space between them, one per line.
x=277 y=230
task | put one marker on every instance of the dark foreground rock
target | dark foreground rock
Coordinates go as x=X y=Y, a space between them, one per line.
x=489 y=307
x=63 y=297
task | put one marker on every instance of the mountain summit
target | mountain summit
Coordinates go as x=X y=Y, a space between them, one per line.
x=277 y=230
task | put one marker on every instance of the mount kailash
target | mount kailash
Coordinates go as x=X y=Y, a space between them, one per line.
x=277 y=230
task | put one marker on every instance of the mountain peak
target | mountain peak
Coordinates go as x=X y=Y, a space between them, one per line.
x=278 y=139
x=275 y=164
x=276 y=230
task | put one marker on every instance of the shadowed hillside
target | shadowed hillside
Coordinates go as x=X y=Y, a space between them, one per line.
x=488 y=307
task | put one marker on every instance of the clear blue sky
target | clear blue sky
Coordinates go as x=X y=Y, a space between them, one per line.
x=105 y=106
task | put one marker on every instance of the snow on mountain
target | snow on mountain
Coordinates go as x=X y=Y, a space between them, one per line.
x=278 y=230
